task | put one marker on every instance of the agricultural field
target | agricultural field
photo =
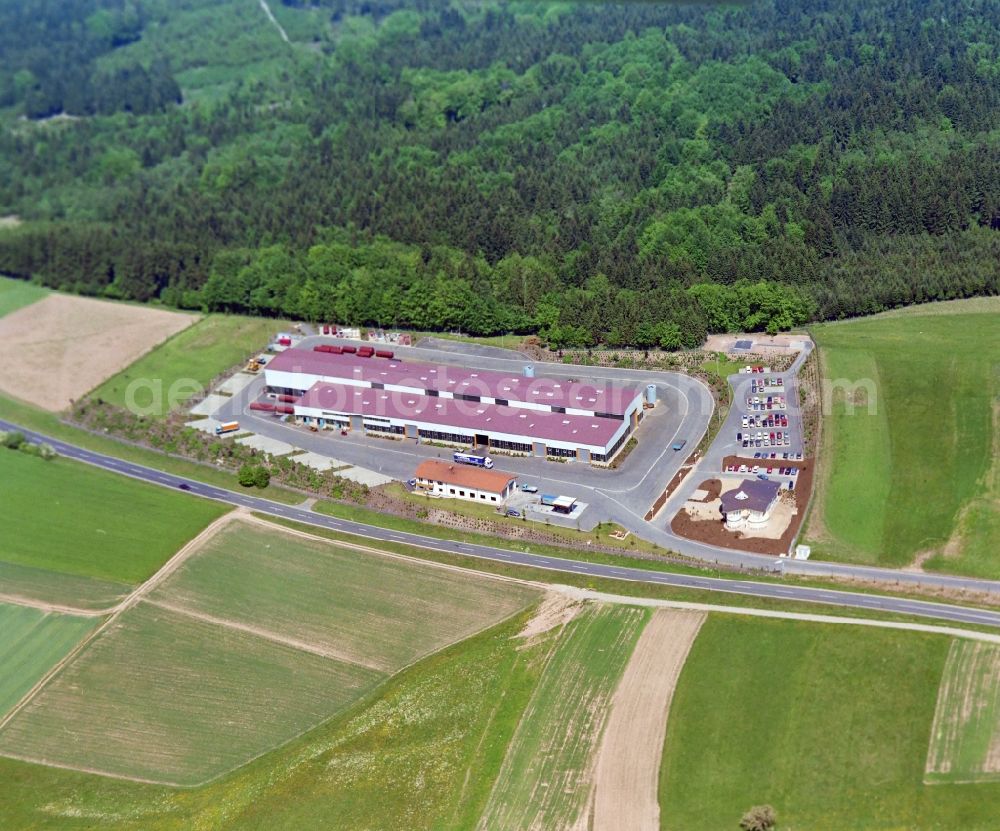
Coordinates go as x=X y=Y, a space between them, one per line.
x=965 y=739
x=67 y=540
x=909 y=440
x=334 y=598
x=188 y=362
x=15 y=294
x=168 y=698
x=253 y=640
x=419 y=753
x=75 y=343
x=830 y=725
x=33 y=642
x=546 y=781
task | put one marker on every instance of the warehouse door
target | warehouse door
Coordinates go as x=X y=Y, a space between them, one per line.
x=482 y=440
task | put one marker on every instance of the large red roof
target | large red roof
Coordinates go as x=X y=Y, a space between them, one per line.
x=472 y=417
x=602 y=398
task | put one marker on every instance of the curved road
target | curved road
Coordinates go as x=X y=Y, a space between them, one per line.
x=880 y=603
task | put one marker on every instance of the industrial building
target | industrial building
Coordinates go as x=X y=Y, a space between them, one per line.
x=506 y=413
x=438 y=478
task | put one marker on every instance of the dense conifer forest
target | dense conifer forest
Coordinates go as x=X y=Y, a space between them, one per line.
x=635 y=173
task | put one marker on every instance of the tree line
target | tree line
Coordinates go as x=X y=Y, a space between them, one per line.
x=633 y=174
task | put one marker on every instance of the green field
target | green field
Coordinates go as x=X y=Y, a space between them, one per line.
x=965 y=740
x=544 y=779
x=829 y=725
x=913 y=475
x=33 y=641
x=419 y=753
x=172 y=699
x=382 y=611
x=258 y=637
x=74 y=520
x=191 y=359
x=15 y=294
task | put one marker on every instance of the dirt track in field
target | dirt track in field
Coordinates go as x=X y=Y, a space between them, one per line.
x=63 y=346
x=627 y=772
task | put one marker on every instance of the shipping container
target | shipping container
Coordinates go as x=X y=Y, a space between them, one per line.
x=284 y=409
x=288 y=399
x=350 y=350
x=326 y=329
x=384 y=353
x=365 y=351
x=263 y=406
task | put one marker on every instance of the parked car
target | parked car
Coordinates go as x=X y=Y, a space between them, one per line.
x=529 y=488
x=514 y=514
x=743 y=468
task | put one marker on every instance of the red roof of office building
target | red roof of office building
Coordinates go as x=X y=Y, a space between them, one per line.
x=467 y=416
x=605 y=398
x=464 y=476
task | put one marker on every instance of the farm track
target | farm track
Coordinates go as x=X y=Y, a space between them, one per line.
x=627 y=772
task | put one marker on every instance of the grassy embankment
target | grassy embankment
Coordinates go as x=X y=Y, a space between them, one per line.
x=15 y=294
x=33 y=418
x=193 y=357
x=830 y=726
x=912 y=474
x=74 y=534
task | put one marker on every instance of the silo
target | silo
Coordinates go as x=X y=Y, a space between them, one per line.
x=651 y=394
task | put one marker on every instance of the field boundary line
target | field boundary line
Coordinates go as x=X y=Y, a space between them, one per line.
x=35 y=760
x=115 y=613
x=626 y=600
x=264 y=634
x=54 y=608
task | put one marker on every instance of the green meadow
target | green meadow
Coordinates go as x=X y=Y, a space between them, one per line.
x=909 y=435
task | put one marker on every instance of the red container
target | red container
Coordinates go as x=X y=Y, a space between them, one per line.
x=350 y=350
x=263 y=406
x=284 y=341
x=326 y=329
x=319 y=348
x=365 y=351
x=383 y=353
x=288 y=399
x=284 y=409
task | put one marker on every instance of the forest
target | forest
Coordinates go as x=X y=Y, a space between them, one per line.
x=631 y=174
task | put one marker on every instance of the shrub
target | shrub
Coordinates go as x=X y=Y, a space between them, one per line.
x=13 y=440
x=759 y=818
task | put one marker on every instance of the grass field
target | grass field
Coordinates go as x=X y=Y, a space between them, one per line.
x=15 y=294
x=68 y=518
x=419 y=753
x=258 y=637
x=33 y=642
x=965 y=740
x=168 y=698
x=190 y=360
x=828 y=725
x=544 y=781
x=379 y=610
x=897 y=480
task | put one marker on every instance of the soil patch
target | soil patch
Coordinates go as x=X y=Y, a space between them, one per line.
x=714 y=532
x=555 y=610
x=64 y=346
x=628 y=763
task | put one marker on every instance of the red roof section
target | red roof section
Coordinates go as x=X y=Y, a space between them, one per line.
x=555 y=392
x=472 y=417
x=464 y=476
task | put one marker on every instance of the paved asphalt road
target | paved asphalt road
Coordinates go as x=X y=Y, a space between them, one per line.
x=881 y=603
